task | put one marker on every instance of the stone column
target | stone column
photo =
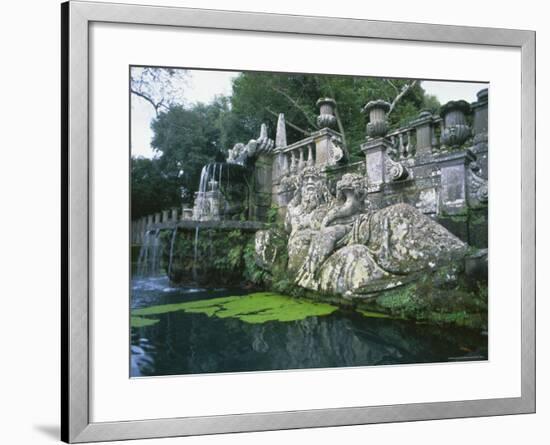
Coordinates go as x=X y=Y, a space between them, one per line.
x=293 y=162
x=456 y=130
x=301 y=161
x=310 y=160
x=186 y=212
x=262 y=186
x=423 y=125
x=150 y=220
x=174 y=216
x=326 y=118
x=481 y=132
x=165 y=214
x=378 y=124
x=157 y=218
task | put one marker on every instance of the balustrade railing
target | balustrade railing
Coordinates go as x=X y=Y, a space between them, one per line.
x=421 y=136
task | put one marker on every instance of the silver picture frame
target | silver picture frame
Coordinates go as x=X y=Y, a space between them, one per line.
x=76 y=18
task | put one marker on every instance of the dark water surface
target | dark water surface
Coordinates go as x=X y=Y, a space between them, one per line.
x=187 y=343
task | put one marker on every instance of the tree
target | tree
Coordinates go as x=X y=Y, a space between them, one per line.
x=189 y=138
x=151 y=189
x=160 y=87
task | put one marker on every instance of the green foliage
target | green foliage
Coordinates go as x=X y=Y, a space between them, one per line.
x=252 y=272
x=215 y=257
x=424 y=302
x=189 y=138
x=152 y=189
x=259 y=307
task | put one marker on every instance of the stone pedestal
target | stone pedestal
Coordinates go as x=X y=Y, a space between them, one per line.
x=262 y=187
x=452 y=196
x=328 y=152
x=186 y=212
x=481 y=132
x=375 y=158
x=424 y=133
x=174 y=215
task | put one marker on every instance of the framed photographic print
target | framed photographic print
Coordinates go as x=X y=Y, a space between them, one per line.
x=278 y=222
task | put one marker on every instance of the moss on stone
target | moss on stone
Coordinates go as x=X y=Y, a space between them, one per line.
x=424 y=301
x=254 y=308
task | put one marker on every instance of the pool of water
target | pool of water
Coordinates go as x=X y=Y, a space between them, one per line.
x=193 y=343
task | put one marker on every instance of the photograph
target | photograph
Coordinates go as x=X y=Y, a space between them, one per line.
x=286 y=221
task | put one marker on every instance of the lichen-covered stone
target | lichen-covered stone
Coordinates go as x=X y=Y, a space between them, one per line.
x=349 y=270
x=402 y=240
x=338 y=245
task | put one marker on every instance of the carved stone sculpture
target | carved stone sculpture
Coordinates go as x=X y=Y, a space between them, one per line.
x=378 y=125
x=241 y=154
x=326 y=116
x=337 y=245
x=456 y=130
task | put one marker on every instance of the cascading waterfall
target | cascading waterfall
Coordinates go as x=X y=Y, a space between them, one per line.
x=149 y=254
x=195 y=254
x=210 y=172
x=210 y=182
x=172 y=242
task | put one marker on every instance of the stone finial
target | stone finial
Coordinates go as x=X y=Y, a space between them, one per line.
x=378 y=125
x=326 y=116
x=263 y=132
x=280 y=137
x=456 y=130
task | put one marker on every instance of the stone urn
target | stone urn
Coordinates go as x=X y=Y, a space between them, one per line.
x=378 y=124
x=326 y=116
x=456 y=130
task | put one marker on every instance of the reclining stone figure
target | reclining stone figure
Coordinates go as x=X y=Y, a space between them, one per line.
x=338 y=245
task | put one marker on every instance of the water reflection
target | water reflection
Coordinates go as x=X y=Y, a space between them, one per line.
x=184 y=343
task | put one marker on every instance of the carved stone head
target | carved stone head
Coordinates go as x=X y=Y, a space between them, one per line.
x=351 y=183
x=313 y=188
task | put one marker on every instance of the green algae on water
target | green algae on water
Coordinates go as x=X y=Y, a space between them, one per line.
x=371 y=314
x=254 y=308
x=140 y=322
